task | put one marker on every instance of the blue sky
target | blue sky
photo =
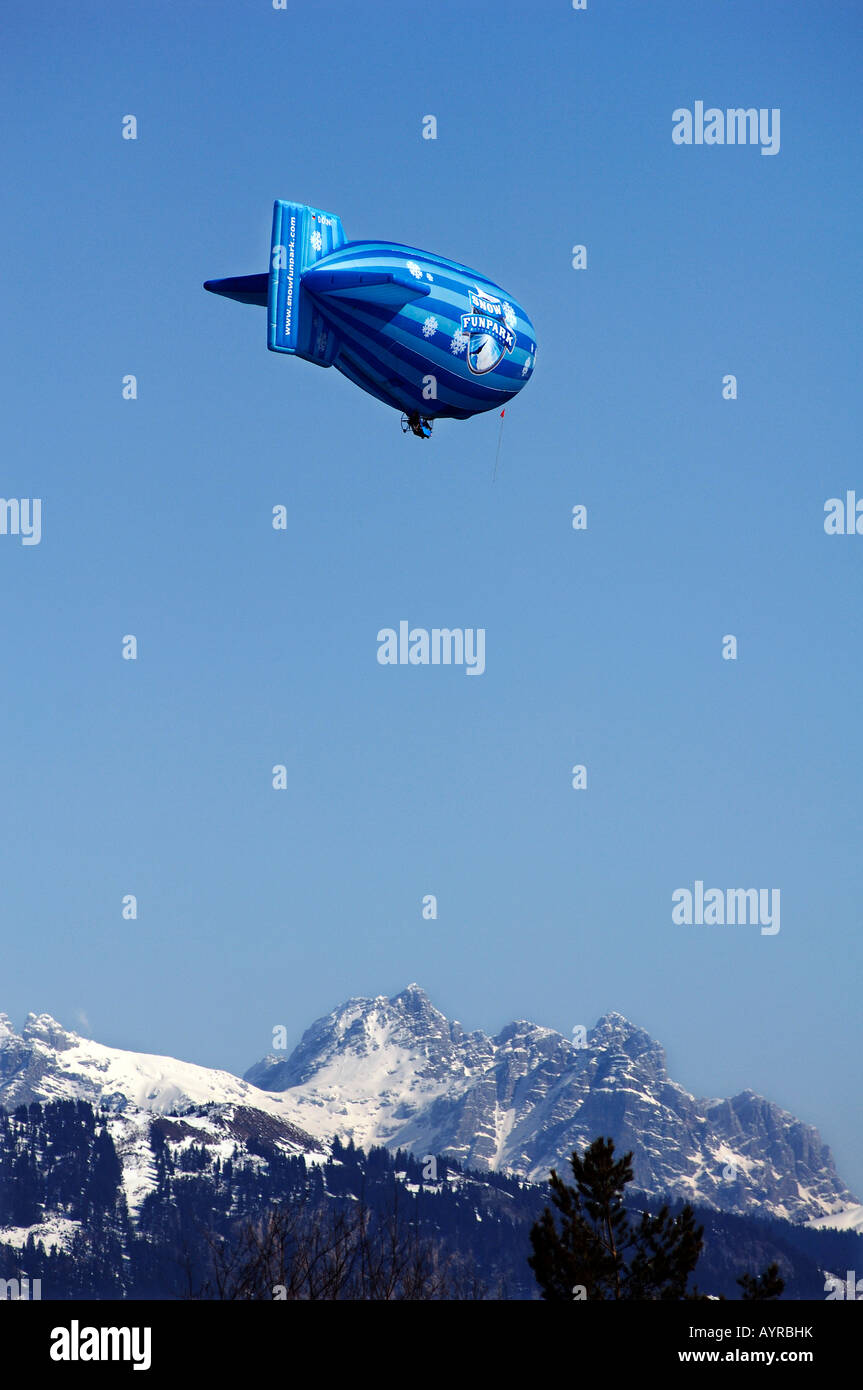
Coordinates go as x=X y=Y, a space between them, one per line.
x=257 y=647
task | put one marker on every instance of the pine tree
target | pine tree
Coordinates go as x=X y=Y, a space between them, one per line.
x=598 y=1252
x=586 y=1253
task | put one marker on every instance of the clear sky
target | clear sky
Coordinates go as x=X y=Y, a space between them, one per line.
x=256 y=647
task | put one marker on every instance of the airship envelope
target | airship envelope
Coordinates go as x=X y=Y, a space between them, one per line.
x=421 y=333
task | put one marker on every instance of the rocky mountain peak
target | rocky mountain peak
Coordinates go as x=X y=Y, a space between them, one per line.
x=43 y=1028
x=397 y=1072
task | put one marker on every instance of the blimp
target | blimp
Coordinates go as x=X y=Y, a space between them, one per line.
x=428 y=336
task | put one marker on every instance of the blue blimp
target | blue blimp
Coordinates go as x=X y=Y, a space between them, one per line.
x=426 y=335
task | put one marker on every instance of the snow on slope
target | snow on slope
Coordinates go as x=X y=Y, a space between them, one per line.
x=48 y=1062
x=845 y=1219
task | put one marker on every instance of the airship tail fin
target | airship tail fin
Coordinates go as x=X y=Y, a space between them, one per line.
x=246 y=289
x=301 y=236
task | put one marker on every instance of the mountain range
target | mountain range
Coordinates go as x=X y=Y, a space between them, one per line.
x=395 y=1072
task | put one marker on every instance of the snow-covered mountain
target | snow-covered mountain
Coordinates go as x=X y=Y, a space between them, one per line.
x=48 y=1062
x=397 y=1072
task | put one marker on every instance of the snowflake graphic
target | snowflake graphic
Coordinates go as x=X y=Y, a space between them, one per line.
x=430 y=326
x=415 y=270
x=459 y=342
x=317 y=241
x=527 y=366
x=510 y=316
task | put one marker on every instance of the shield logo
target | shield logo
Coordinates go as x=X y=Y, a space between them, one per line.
x=490 y=331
